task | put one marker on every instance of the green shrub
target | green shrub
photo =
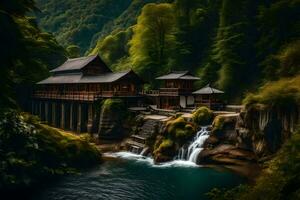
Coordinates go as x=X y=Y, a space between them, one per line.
x=178 y=132
x=218 y=123
x=31 y=152
x=282 y=93
x=165 y=150
x=173 y=125
x=203 y=116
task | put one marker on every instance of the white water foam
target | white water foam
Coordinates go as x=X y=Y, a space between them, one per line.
x=187 y=157
x=194 y=149
x=149 y=160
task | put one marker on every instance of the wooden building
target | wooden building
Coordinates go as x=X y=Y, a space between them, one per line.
x=177 y=90
x=68 y=98
x=209 y=97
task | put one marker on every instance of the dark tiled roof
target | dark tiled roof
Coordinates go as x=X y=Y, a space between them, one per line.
x=79 y=78
x=104 y=78
x=185 y=75
x=74 y=64
x=61 y=79
x=208 y=90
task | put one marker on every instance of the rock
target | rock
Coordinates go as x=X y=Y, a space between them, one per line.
x=113 y=113
x=211 y=141
x=225 y=154
x=161 y=158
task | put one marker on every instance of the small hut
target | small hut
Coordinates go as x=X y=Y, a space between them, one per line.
x=177 y=90
x=209 y=97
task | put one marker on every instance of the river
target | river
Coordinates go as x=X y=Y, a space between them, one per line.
x=130 y=177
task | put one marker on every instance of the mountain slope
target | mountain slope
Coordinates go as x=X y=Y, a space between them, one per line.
x=82 y=22
x=234 y=44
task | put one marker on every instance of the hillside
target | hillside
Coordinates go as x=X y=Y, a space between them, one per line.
x=236 y=45
x=82 y=22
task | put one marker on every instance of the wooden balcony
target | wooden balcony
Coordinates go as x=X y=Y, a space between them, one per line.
x=82 y=95
x=174 y=91
x=150 y=93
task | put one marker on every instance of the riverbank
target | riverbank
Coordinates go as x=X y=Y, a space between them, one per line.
x=32 y=153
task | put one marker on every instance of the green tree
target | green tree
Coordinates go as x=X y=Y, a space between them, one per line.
x=73 y=51
x=114 y=48
x=278 y=25
x=234 y=51
x=26 y=52
x=196 y=22
x=153 y=40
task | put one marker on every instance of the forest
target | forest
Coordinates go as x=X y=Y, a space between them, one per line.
x=235 y=45
x=249 y=49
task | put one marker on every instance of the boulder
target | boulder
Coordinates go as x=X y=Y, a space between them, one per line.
x=225 y=154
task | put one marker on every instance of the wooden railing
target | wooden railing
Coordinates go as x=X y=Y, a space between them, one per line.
x=82 y=95
x=174 y=91
x=150 y=92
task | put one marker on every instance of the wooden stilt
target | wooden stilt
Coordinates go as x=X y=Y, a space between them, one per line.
x=62 y=119
x=90 y=118
x=79 y=119
x=71 y=117
x=53 y=114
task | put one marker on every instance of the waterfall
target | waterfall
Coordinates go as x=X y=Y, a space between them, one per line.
x=191 y=152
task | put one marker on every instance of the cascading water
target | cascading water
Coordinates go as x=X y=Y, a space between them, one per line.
x=191 y=152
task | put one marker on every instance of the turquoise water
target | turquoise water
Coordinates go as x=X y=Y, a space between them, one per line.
x=136 y=178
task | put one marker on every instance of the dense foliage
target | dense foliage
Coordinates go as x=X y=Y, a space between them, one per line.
x=203 y=116
x=82 y=22
x=30 y=152
x=232 y=44
x=284 y=92
x=25 y=52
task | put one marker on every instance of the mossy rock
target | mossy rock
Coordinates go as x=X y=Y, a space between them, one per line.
x=203 y=116
x=112 y=119
x=165 y=151
x=176 y=133
x=224 y=128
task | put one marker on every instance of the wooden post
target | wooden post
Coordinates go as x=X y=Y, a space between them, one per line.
x=71 y=116
x=186 y=101
x=46 y=112
x=53 y=114
x=79 y=119
x=62 y=119
x=90 y=118
x=40 y=110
